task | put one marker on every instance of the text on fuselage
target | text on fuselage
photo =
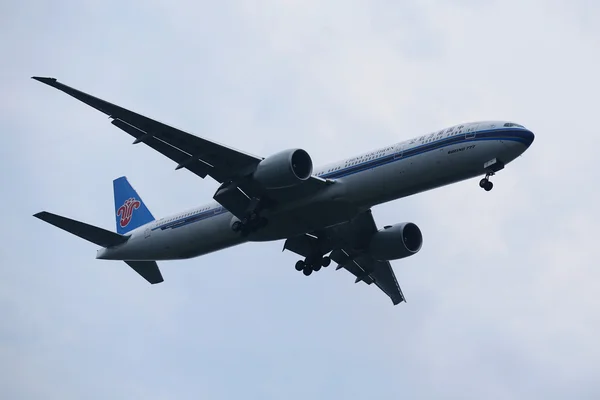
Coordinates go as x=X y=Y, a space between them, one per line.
x=462 y=149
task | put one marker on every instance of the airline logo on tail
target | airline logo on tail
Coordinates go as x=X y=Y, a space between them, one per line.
x=126 y=211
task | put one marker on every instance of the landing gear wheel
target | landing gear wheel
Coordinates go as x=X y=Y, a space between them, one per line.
x=485 y=183
x=316 y=267
x=307 y=271
x=300 y=265
x=325 y=261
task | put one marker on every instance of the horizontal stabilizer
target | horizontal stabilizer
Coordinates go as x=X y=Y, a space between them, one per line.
x=91 y=233
x=147 y=269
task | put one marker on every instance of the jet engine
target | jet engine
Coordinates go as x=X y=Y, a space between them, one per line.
x=284 y=169
x=395 y=242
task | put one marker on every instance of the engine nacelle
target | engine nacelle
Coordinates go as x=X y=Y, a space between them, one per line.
x=396 y=241
x=284 y=169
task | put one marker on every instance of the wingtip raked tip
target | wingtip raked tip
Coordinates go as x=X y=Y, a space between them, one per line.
x=48 y=81
x=40 y=214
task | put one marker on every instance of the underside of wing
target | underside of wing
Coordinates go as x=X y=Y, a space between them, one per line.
x=234 y=169
x=348 y=245
x=201 y=156
x=369 y=270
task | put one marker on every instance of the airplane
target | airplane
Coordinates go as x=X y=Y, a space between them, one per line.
x=323 y=214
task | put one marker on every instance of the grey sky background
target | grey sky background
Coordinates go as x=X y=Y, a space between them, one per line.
x=502 y=299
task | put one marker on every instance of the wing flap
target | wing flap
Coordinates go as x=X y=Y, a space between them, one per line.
x=180 y=157
x=358 y=271
x=382 y=274
x=370 y=271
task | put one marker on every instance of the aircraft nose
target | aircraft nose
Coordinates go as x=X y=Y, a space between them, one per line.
x=527 y=137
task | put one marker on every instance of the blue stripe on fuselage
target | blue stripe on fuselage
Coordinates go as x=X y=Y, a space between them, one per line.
x=518 y=135
x=178 y=223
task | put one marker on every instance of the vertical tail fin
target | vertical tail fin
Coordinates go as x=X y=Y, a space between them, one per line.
x=130 y=210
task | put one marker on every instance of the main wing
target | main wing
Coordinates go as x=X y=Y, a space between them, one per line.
x=347 y=243
x=203 y=157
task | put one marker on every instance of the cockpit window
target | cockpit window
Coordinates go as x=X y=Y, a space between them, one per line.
x=509 y=124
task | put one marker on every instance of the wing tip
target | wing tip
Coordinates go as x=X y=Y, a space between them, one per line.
x=47 y=81
x=41 y=214
x=398 y=300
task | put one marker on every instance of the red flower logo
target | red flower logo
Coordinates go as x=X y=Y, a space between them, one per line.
x=126 y=211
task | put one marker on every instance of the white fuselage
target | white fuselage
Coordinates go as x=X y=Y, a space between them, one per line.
x=393 y=172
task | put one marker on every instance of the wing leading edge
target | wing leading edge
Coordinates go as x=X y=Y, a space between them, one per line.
x=232 y=168
x=200 y=156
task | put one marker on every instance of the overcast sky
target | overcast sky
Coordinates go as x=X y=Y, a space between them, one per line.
x=502 y=299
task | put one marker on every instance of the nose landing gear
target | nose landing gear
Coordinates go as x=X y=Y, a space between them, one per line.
x=491 y=167
x=485 y=183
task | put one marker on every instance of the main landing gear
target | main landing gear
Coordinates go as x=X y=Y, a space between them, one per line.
x=485 y=183
x=311 y=264
x=250 y=223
